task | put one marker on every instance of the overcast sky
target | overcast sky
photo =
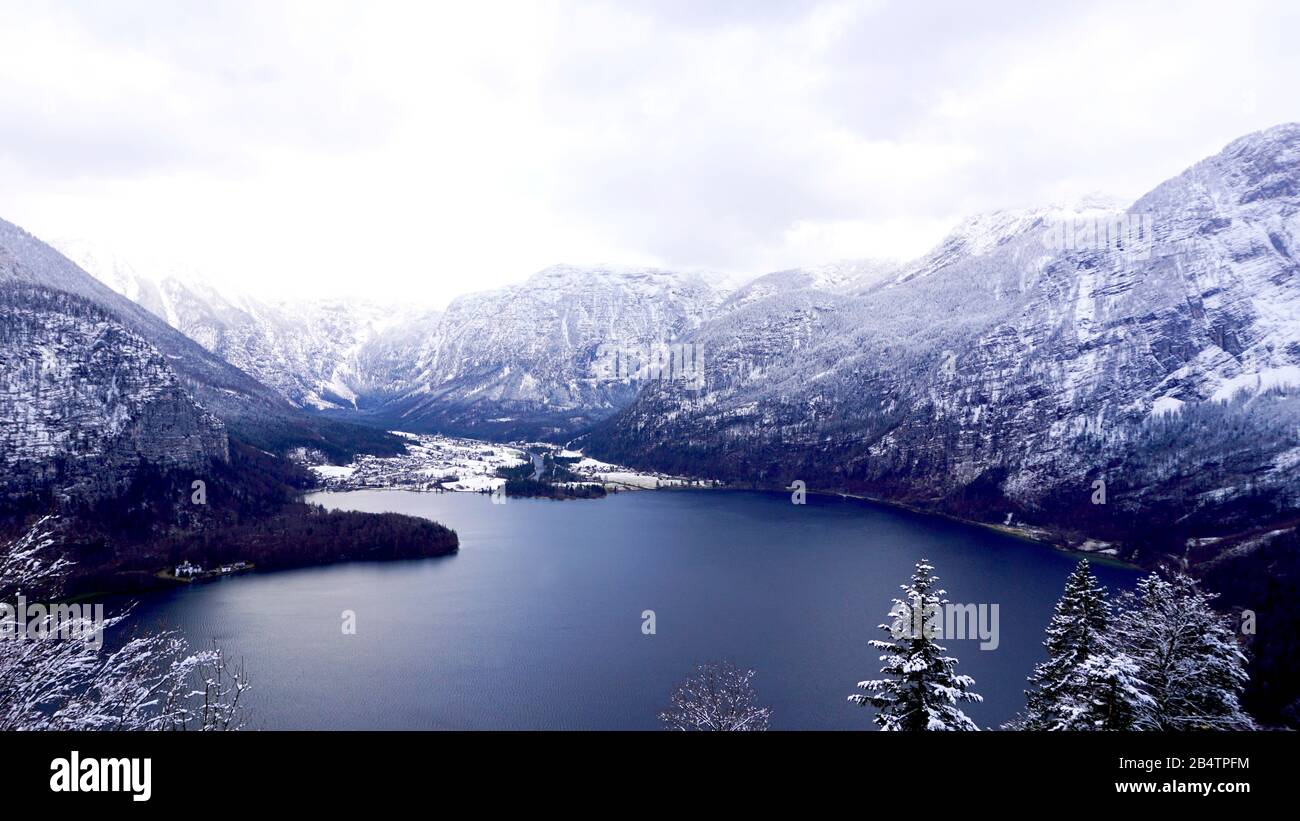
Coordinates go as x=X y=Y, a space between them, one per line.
x=422 y=150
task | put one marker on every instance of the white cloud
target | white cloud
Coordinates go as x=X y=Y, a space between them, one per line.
x=425 y=150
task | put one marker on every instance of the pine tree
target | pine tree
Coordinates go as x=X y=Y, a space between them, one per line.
x=1187 y=656
x=922 y=688
x=1106 y=693
x=1076 y=632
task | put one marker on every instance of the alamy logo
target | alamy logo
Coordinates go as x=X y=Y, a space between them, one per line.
x=77 y=774
x=947 y=621
x=32 y=621
x=1099 y=492
x=799 y=496
x=679 y=361
x=1129 y=234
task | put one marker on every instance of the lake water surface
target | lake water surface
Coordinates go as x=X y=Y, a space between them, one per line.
x=537 y=623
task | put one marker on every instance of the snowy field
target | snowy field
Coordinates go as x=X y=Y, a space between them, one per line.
x=616 y=476
x=430 y=463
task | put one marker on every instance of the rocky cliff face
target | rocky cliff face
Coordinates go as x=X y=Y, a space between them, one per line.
x=83 y=401
x=1009 y=371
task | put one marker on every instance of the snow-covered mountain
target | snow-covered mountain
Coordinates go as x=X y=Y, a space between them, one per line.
x=982 y=234
x=847 y=276
x=256 y=413
x=521 y=360
x=1007 y=372
x=26 y=259
x=307 y=350
x=83 y=400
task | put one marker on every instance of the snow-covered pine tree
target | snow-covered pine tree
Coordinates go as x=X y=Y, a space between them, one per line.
x=922 y=689
x=1076 y=632
x=1187 y=656
x=1105 y=693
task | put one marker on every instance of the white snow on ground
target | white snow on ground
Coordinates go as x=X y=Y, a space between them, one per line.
x=617 y=476
x=589 y=464
x=1284 y=377
x=1166 y=405
x=639 y=481
x=475 y=484
x=333 y=471
x=447 y=463
x=1096 y=546
x=431 y=463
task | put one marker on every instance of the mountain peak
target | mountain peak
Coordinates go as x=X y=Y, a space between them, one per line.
x=1283 y=134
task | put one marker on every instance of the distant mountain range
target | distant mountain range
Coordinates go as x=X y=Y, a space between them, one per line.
x=307 y=351
x=512 y=363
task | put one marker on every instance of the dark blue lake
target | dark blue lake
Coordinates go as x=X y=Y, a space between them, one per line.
x=537 y=623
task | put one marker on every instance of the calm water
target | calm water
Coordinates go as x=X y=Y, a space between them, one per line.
x=537 y=622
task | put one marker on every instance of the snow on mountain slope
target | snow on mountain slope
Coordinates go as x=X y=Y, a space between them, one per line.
x=983 y=234
x=222 y=387
x=255 y=412
x=1005 y=371
x=520 y=361
x=1003 y=374
x=307 y=350
x=83 y=400
x=837 y=277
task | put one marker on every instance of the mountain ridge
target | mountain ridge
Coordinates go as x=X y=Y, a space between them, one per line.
x=1006 y=377
x=250 y=409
